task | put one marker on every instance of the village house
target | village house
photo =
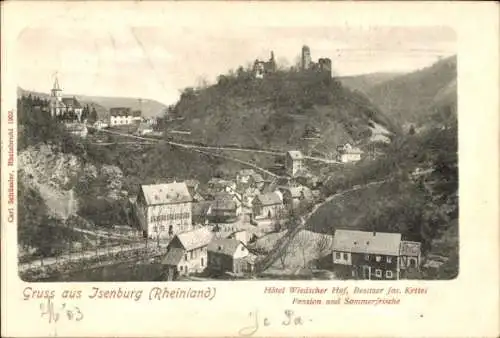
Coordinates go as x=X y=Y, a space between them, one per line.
x=224 y=209
x=256 y=181
x=267 y=206
x=187 y=253
x=293 y=196
x=200 y=212
x=100 y=124
x=120 y=116
x=294 y=162
x=229 y=255
x=137 y=116
x=216 y=185
x=373 y=255
x=164 y=210
x=248 y=196
x=243 y=176
x=347 y=153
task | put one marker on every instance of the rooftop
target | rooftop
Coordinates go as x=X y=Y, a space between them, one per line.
x=367 y=242
x=196 y=238
x=225 y=246
x=173 y=257
x=270 y=198
x=295 y=154
x=166 y=193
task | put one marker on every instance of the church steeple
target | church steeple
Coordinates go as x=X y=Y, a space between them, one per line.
x=56 y=89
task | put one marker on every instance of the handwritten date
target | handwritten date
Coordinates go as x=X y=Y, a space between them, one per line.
x=289 y=319
x=52 y=313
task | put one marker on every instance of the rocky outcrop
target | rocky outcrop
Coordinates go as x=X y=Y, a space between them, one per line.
x=55 y=175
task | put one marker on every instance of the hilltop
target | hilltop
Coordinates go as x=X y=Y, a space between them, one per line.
x=150 y=108
x=414 y=96
x=277 y=112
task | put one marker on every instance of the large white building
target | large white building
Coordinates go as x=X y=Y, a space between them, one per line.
x=119 y=116
x=164 y=210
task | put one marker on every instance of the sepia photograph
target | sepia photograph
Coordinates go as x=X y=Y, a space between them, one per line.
x=320 y=153
x=249 y=169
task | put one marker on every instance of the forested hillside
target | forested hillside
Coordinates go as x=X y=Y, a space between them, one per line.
x=277 y=111
x=413 y=97
x=419 y=196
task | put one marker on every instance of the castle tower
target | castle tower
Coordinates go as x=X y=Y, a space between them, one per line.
x=55 y=98
x=306 y=58
x=272 y=63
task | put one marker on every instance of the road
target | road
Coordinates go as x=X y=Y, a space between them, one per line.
x=285 y=241
x=79 y=256
x=197 y=149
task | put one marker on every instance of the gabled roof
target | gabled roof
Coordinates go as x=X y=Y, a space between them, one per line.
x=196 y=238
x=173 y=257
x=297 y=192
x=220 y=182
x=367 y=242
x=270 y=198
x=225 y=246
x=167 y=193
x=295 y=154
x=120 y=111
x=246 y=172
x=224 y=204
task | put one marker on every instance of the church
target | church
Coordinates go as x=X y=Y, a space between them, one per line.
x=65 y=108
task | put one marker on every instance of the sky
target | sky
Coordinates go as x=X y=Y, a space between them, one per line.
x=157 y=62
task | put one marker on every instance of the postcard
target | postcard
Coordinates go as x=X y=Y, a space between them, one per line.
x=263 y=169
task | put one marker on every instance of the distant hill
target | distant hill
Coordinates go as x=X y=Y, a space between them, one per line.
x=277 y=112
x=102 y=104
x=363 y=83
x=413 y=96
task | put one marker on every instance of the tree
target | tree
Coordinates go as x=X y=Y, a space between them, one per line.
x=323 y=246
x=93 y=115
x=302 y=242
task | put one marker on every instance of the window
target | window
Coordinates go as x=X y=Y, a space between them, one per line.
x=162 y=228
x=186 y=257
x=337 y=255
x=181 y=267
x=389 y=259
x=367 y=257
x=155 y=229
x=191 y=254
x=201 y=261
x=378 y=273
x=346 y=256
x=378 y=258
x=388 y=274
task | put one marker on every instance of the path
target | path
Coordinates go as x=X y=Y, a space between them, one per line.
x=197 y=149
x=285 y=241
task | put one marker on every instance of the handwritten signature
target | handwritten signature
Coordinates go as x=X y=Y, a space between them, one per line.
x=290 y=319
x=53 y=313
